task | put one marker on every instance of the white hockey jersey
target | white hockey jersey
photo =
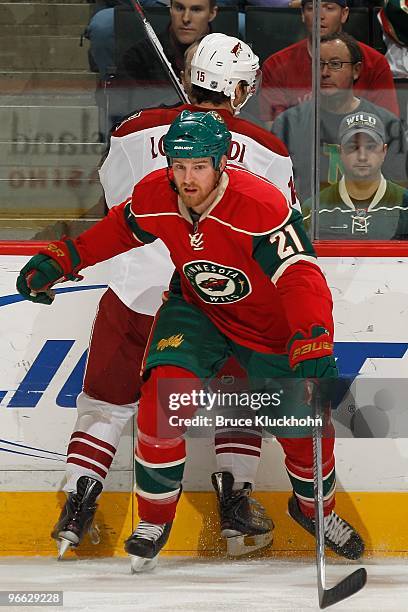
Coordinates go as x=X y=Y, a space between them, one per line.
x=136 y=150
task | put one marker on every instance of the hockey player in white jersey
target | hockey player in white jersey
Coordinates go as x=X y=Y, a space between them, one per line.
x=223 y=77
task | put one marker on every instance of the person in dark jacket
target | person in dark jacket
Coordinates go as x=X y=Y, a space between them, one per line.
x=189 y=21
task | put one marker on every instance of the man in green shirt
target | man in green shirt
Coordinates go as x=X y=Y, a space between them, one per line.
x=363 y=204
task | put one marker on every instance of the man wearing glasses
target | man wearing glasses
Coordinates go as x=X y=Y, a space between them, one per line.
x=284 y=85
x=340 y=67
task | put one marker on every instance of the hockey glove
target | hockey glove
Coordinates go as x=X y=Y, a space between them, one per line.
x=312 y=358
x=57 y=262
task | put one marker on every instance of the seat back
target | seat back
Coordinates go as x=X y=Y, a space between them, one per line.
x=358 y=24
x=268 y=30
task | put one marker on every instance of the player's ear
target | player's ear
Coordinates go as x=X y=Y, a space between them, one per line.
x=241 y=93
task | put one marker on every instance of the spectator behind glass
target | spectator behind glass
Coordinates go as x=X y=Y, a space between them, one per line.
x=189 y=21
x=341 y=64
x=101 y=30
x=363 y=204
x=287 y=74
x=394 y=22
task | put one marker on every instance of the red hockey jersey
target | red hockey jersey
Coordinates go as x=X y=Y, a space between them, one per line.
x=248 y=264
x=136 y=149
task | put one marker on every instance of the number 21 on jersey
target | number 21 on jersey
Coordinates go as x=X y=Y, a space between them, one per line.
x=281 y=237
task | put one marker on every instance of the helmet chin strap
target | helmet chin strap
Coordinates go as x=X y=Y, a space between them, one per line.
x=217 y=182
x=220 y=173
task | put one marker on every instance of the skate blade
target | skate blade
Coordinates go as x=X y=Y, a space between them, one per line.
x=65 y=540
x=63 y=545
x=245 y=545
x=141 y=564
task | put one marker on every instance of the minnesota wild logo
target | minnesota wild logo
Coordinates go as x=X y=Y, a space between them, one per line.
x=215 y=283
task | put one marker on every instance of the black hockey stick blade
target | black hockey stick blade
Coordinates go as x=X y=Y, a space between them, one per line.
x=345 y=588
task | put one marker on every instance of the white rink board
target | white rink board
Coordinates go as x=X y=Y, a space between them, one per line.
x=371 y=316
x=24 y=330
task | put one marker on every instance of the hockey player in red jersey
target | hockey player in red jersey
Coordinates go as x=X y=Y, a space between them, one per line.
x=125 y=312
x=219 y=223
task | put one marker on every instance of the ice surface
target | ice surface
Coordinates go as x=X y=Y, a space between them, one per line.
x=201 y=585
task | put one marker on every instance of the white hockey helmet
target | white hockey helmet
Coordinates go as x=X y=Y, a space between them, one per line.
x=221 y=62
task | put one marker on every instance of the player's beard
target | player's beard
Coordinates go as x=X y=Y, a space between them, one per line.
x=194 y=196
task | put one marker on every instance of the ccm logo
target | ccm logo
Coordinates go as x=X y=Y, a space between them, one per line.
x=311 y=347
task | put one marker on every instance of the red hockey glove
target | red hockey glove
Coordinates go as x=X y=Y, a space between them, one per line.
x=308 y=354
x=311 y=357
x=58 y=262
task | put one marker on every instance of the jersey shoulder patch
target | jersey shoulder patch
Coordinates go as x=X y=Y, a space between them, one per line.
x=146 y=119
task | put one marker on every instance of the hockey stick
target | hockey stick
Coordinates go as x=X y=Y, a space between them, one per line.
x=357 y=579
x=151 y=34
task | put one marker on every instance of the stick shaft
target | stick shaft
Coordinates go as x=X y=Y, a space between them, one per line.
x=318 y=495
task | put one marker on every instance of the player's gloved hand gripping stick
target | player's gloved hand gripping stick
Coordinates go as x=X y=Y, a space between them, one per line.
x=311 y=357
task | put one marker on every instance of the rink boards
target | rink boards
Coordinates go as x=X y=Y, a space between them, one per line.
x=42 y=356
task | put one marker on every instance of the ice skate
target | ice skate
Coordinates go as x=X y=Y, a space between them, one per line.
x=340 y=536
x=244 y=522
x=77 y=515
x=145 y=544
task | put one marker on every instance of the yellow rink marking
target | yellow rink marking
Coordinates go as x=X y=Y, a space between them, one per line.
x=27 y=519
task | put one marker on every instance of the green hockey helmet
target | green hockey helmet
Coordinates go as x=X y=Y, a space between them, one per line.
x=197 y=135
